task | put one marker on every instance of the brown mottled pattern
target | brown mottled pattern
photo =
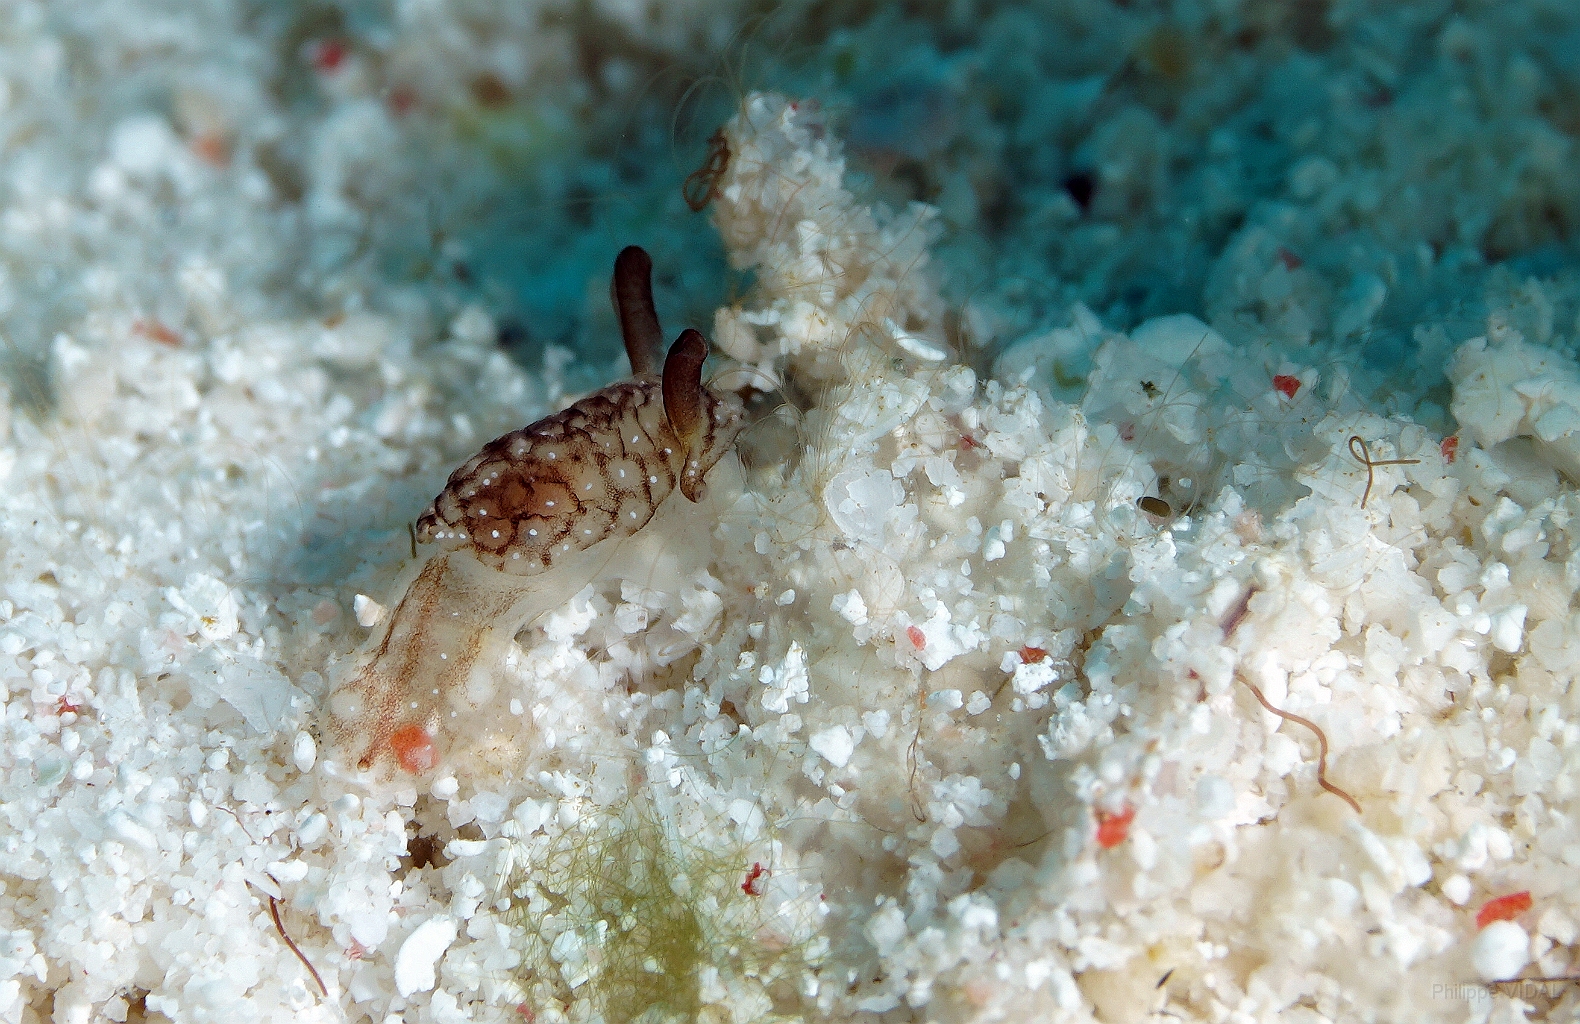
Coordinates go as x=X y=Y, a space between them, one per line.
x=598 y=469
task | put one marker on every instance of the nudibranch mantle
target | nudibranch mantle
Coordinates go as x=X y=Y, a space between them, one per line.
x=528 y=502
x=598 y=469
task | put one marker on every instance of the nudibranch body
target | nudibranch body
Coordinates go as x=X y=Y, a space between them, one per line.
x=532 y=500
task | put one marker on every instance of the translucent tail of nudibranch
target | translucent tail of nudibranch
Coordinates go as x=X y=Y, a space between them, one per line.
x=533 y=502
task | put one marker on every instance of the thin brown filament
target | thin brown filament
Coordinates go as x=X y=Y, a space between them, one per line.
x=1242 y=608
x=274 y=912
x=702 y=185
x=1560 y=979
x=1322 y=743
x=1363 y=455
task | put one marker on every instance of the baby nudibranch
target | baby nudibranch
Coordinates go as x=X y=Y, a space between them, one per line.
x=528 y=502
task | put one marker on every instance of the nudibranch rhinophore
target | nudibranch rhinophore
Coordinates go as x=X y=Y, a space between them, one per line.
x=532 y=500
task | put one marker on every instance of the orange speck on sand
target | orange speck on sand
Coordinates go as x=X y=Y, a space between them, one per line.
x=918 y=638
x=1113 y=829
x=1503 y=908
x=401 y=99
x=1030 y=654
x=210 y=147
x=329 y=54
x=414 y=749
x=1449 y=448
x=153 y=330
x=1286 y=385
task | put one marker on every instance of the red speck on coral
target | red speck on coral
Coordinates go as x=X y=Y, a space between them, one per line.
x=918 y=638
x=329 y=54
x=1127 y=432
x=753 y=886
x=1286 y=385
x=414 y=749
x=968 y=442
x=526 y=1012
x=64 y=706
x=1029 y=654
x=1449 y=448
x=1289 y=259
x=1113 y=829
x=1503 y=908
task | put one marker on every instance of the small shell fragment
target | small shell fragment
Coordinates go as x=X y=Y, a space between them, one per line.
x=368 y=611
x=916 y=345
x=304 y=752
